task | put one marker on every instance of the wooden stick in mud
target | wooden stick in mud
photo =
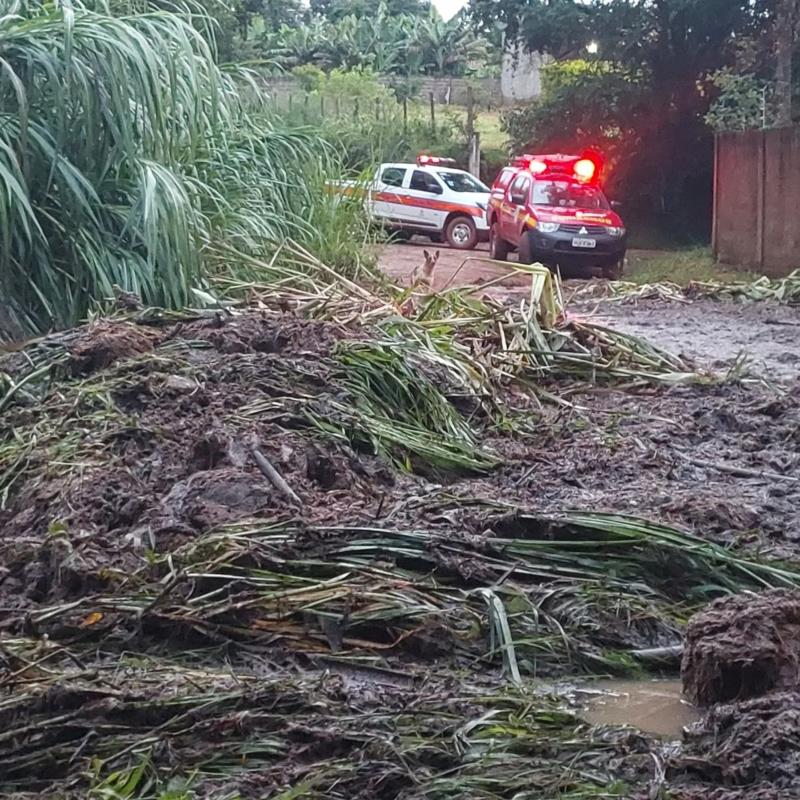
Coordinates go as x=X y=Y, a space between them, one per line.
x=274 y=477
x=740 y=472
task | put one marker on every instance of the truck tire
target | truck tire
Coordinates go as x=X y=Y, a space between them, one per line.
x=498 y=247
x=461 y=233
x=526 y=254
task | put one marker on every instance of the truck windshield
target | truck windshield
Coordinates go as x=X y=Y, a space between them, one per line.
x=463 y=182
x=566 y=194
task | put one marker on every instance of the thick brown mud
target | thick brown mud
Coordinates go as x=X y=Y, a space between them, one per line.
x=743 y=647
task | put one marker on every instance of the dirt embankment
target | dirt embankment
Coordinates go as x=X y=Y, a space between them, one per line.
x=161 y=448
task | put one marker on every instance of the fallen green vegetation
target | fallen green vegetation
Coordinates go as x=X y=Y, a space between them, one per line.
x=742 y=289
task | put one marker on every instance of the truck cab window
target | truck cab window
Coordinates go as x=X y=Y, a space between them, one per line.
x=393 y=176
x=518 y=193
x=422 y=182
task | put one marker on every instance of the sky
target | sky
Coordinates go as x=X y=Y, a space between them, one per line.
x=448 y=8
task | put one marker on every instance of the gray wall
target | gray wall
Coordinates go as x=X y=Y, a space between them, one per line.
x=521 y=76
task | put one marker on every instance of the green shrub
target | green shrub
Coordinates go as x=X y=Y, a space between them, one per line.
x=128 y=157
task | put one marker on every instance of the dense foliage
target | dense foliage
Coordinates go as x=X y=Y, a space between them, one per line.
x=388 y=42
x=365 y=123
x=586 y=102
x=127 y=157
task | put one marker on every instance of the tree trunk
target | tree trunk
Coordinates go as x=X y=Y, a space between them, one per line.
x=786 y=25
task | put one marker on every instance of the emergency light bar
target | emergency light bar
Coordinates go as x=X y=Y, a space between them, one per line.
x=584 y=169
x=532 y=163
x=433 y=161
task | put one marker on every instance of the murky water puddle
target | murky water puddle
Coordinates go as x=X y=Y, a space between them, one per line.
x=655 y=707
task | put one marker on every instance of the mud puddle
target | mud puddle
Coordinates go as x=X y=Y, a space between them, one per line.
x=654 y=707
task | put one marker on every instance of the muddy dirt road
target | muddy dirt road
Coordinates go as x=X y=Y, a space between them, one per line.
x=712 y=333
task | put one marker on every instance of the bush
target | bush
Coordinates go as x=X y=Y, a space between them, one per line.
x=657 y=163
x=128 y=157
x=744 y=101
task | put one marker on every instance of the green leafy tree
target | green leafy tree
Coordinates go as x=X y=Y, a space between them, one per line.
x=276 y=13
x=787 y=22
x=585 y=104
x=382 y=41
x=445 y=48
x=338 y=9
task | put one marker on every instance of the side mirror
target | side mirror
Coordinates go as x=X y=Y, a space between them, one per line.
x=518 y=198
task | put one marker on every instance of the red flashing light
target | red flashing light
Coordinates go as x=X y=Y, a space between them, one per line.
x=532 y=163
x=585 y=169
x=433 y=161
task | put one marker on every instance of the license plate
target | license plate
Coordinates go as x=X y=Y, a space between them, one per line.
x=586 y=243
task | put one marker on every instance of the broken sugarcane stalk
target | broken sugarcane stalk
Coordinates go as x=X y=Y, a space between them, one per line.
x=274 y=477
x=659 y=653
x=739 y=472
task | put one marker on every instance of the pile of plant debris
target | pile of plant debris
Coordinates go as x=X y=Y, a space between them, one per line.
x=779 y=290
x=265 y=554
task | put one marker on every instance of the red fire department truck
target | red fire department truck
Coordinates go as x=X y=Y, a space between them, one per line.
x=552 y=209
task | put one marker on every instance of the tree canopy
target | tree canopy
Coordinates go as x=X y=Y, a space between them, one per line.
x=338 y=9
x=389 y=43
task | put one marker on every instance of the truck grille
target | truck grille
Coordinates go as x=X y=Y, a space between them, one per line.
x=591 y=230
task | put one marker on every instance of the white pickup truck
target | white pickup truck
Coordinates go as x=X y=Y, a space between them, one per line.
x=429 y=198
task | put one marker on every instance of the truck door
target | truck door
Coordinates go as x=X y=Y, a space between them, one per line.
x=388 y=196
x=425 y=194
x=513 y=220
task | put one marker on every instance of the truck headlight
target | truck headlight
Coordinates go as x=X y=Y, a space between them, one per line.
x=548 y=227
x=616 y=232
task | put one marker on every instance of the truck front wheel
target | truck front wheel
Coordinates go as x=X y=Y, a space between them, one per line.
x=461 y=233
x=526 y=251
x=498 y=247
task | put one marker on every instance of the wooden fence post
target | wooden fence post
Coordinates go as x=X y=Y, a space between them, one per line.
x=433 y=114
x=715 y=205
x=761 y=190
x=475 y=154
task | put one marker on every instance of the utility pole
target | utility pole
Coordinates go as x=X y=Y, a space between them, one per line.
x=786 y=24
